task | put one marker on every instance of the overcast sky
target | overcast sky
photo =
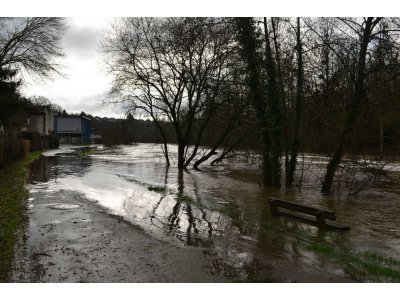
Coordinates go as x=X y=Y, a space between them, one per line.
x=86 y=83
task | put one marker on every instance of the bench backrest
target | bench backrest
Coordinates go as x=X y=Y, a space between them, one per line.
x=302 y=208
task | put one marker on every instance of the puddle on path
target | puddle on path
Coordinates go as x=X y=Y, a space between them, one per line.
x=63 y=206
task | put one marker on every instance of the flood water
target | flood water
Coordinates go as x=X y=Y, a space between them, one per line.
x=222 y=209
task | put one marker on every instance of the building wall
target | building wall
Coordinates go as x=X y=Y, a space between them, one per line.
x=69 y=125
x=36 y=123
x=74 y=130
x=86 y=130
x=70 y=138
x=50 y=122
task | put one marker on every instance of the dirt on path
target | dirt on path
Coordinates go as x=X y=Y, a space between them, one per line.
x=71 y=239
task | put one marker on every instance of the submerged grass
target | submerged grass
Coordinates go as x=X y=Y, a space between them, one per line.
x=157 y=189
x=86 y=151
x=361 y=265
x=329 y=245
x=12 y=193
x=181 y=197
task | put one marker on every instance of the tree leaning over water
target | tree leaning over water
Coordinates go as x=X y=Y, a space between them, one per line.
x=365 y=34
x=177 y=70
x=343 y=76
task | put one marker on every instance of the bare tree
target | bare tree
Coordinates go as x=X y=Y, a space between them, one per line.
x=298 y=109
x=276 y=24
x=250 y=52
x=43 y=101
x=31 y=44
x=175 y=70
x=274 y=110
x=364 y=31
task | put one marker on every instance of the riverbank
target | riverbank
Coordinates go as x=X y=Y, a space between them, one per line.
x=12 y=194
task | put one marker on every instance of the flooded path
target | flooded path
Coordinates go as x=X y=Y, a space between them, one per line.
x=119 y=214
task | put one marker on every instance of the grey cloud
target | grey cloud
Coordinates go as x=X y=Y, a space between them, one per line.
x=91 y=105
x=81 y=41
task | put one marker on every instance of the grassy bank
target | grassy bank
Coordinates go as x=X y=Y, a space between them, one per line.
x=12 y=193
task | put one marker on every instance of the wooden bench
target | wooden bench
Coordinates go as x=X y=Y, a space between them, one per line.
x=312 y=215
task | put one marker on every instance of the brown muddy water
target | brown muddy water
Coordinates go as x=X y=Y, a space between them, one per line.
x=223 y=210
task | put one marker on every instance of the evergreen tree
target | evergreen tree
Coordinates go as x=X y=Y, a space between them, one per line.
x=9 y=98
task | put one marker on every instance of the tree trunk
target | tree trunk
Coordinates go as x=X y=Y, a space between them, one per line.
x=213 y=151
x=359 y=94
x=274 y=113
x=299 y=104
x=282 y=93
x=381 y=129
x=181 y=155
x=204 y=158
x=248 y=41
x=164 y=146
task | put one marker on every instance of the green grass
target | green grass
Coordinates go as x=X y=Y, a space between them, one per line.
x=361 y=265
x=331 y=246
x=380 y=258
x=321 y=248
x=86 y=151
x=12 y=194
x=157 y=189
x=181 y=197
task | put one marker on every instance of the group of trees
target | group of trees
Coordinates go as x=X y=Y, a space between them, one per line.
x=180 y=70
x=278 y=86
x=126 y=131
x=31 y=45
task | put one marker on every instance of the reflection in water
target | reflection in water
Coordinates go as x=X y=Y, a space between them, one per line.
x=60 y=165
x=222 y=209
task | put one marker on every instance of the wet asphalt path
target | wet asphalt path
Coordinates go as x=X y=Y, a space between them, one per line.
x=86 y=244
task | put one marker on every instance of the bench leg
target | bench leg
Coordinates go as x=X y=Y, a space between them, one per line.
x=272 y=207
x=321 y=220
